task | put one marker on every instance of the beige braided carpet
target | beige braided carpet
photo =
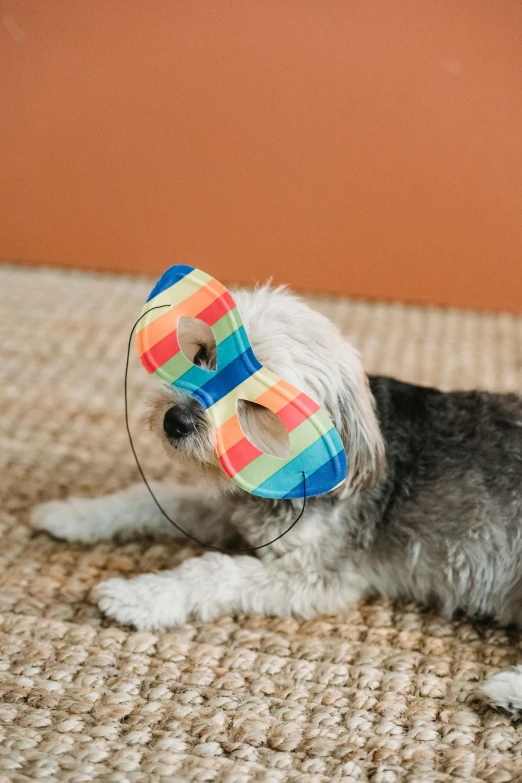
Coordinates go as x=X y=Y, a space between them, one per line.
x=380 y=693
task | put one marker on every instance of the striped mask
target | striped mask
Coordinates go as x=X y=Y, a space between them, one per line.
x=316 y=449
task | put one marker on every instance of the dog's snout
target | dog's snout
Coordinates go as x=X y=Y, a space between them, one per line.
x=178 y=422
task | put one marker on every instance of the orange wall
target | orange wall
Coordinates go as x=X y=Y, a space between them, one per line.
x=364 y=147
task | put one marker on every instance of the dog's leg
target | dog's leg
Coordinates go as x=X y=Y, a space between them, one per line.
x=215 y=584
x=504 y=692
x=132 y=512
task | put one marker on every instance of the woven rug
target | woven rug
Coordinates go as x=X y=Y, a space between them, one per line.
x=381 y=693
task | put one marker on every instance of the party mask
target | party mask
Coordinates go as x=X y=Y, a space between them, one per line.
x=315 y=446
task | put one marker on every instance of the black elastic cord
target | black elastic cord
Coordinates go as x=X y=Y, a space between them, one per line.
x=153 y=496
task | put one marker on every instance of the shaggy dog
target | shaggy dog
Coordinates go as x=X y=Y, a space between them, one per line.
x=431 y=509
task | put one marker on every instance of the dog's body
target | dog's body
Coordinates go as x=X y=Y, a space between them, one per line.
x=431 y=510
x=444 y=523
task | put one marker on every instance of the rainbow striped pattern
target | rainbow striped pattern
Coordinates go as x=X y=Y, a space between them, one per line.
x=315 y=446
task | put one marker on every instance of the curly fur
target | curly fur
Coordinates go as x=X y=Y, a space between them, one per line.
x=431 y=509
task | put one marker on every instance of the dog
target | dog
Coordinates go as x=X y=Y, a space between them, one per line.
x=431 y=509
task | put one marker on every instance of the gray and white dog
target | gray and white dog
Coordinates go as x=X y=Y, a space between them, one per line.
x=431 y=509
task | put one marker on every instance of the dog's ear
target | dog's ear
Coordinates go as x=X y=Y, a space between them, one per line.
x=358 y=426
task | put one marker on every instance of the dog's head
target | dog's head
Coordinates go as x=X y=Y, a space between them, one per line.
x=303 y=347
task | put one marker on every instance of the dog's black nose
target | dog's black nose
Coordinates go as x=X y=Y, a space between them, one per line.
x=178 y=422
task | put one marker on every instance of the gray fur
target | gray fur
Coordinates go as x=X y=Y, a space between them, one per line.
x=431 y=509
x=443 y=525
x=441 y=519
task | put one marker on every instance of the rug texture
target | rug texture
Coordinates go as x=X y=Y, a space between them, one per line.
x=381 y=693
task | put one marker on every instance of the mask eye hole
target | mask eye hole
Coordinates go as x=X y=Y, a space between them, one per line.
x=263 y=429
x=196 y=340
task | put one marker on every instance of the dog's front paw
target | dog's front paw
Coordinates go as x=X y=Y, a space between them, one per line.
x=504 y=692
x=149 y=602
x=72 y=520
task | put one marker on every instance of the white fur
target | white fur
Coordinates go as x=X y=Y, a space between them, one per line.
x=323 y=364
x=130 y=513
x=302 y=573
x=504 y=691
x=217 y=584
x=203 y=587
